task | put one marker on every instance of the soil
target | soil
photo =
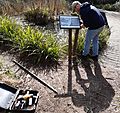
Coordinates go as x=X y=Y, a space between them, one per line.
x=95 y=85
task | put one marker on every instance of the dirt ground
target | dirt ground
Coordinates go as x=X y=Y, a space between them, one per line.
x=95 y=85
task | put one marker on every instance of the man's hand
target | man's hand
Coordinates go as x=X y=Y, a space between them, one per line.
x=82 y=26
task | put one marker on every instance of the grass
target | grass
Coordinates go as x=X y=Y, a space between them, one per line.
x=1 y=65
x=5 y=71
x=39 y=47
x=104 y=36
x=81 y=40
x=38 y=16
x=110 y=7
x=45 y=12
x=39 y=12
x=32 y=45
x=7 y=75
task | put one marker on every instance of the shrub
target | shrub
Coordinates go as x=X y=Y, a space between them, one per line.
x=117 y=6
x=81 y=40
x=110 y=7
x=104 y=36
x=31 y=44
x=37 y=16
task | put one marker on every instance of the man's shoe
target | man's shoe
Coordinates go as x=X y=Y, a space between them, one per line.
x=85 y=57
x=95 y=58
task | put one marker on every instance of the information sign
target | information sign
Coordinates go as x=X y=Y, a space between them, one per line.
x=69 y=22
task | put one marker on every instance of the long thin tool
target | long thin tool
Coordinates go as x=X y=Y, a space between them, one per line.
x=35 y=77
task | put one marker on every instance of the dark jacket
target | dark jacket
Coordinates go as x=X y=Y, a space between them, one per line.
x=91 y=16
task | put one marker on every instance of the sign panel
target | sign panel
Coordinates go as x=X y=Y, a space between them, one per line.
x=69 y=22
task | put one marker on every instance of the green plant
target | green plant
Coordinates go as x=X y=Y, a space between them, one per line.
x=1 y=65
x=8 y=29
x=110 y=7
x=81 y=40
x=116 y=6
x=9 y=73
x=31 y=44
x=104 y=36
x=38 y=16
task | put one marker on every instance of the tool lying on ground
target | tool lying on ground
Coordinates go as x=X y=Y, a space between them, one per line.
x=35 y=77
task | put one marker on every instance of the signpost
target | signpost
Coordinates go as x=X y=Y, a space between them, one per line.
x=70 y=22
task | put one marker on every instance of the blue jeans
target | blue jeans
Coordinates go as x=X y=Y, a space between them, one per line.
x=92 y=36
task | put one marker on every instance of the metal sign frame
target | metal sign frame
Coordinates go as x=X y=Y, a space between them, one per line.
x=69 y=22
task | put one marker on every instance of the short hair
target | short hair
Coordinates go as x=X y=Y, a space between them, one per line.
x=74 y=4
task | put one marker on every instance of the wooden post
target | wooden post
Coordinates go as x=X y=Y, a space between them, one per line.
x=75 y=64
x=70 y=62
x=70 y=59
x=75 y=42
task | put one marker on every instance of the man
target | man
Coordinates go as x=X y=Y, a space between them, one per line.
x=94 y=21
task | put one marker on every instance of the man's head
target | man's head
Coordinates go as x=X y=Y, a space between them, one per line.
x=76 y=6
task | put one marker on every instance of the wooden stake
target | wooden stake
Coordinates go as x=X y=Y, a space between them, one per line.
x=70 y=62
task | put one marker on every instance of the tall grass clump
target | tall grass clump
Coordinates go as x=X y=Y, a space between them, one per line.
x=38 y=16
x=104 y=36
x=81 y=40
x=31 y=45
x=8 y=30
x=110 y=7
x=17 y=7
x=44 y=12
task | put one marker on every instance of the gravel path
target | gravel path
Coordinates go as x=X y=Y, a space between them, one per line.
x=111 y=56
